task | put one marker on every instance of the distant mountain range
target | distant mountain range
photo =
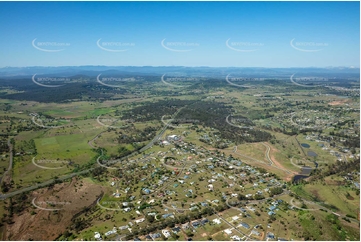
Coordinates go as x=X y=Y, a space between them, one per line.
x=64 y=71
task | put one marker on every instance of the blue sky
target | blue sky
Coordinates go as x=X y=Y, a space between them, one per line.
x=259 y=34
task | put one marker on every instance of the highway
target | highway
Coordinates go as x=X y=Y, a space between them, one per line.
x=46 y=183
x=156 y=138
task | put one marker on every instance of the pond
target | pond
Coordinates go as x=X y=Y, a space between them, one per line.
x=311 y=153
x=305 y=172
x=305 y=145
x=297 y=178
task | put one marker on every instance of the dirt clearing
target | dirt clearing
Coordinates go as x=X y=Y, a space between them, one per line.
x=53 y=209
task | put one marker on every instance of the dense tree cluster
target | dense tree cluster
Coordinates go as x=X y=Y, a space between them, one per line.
x=275 y=191
x=213 y=114
x=137 y=135
x=155 y=110
x=29 y=91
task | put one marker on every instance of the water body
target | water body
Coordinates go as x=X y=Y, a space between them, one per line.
x=305 y=172
x=298 y=178
x=305 y=145
x=311 y=153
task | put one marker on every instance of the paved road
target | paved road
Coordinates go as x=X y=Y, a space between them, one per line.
x=267 y=153
x=110 y=126
x=253 y=159
x=161 y=132
x=156 y=138
x=296 y=124
x=91 y=141
x=285 y=192
x=231 y=225
x=44 y=126
x=295 y=164
x=313 y=209
x=149 y=145
x=237 y=126
x=33 y=187
x=216 y=213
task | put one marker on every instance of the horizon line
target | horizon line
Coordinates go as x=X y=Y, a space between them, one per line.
x=325 y=67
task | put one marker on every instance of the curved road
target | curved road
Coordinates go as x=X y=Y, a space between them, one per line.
x=46 y=183
x=267 y=155
x=91 y=141
x=161 y=132
x=44 y=126
x=33 y=187
x=314 y=209
x=237 y=126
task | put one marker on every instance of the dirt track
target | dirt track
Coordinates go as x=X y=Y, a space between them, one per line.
x=277 y=163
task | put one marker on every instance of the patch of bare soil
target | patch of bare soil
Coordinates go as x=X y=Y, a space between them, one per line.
x=335 y=103
x=316 y=194
x=273 y=158
x=273 y=150
x=63 y=201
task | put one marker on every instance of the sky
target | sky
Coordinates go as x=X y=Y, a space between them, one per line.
x=216 y=34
